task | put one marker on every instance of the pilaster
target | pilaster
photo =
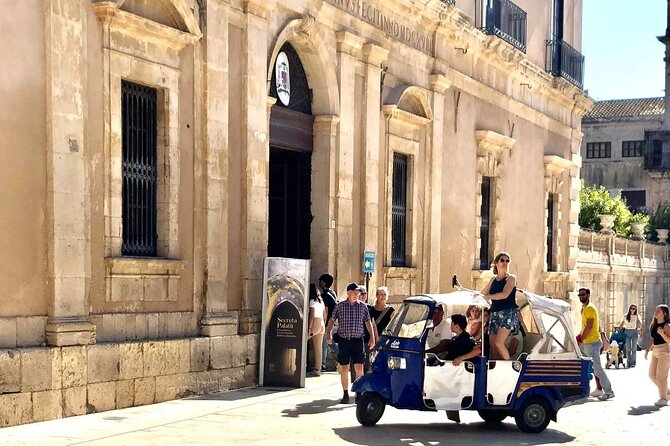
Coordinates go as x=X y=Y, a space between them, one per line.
x=575 y=186
x=68 y=196
x=439 y=84
x=255 y=152
x=373 y=56
x=348 y=49
x=215 y=320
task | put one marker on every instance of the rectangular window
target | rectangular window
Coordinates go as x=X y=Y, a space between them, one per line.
x=598 y=150
x=630 y=149
x=484 y=230
x=635 y=199
x=551 y=227
x=139 y=169
x=399 y=210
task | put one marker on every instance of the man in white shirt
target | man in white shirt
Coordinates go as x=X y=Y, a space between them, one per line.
x=440 y=335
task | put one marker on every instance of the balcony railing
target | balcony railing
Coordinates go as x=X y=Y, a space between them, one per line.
x=657 y=151
x=449 y=2
x=504 y=19
x=565 y=61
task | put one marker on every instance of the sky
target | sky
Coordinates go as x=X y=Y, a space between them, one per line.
x=623 y=57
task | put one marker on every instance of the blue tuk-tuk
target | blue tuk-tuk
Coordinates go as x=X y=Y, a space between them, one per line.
x=547 y=375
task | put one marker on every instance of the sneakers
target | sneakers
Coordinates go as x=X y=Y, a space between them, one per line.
x=661 y=403
x=345 y=399
x=597 y=393
x=314 y=373
x=606 y=396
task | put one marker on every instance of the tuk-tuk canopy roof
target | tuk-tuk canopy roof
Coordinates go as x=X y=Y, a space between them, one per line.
x=464 y=297
x=544 y=303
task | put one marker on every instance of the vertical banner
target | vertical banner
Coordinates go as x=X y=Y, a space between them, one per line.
x=284 y=322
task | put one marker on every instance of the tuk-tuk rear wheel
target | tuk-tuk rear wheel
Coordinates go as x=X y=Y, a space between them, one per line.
x=534 y=416
x=493 y=416
x=370 y=408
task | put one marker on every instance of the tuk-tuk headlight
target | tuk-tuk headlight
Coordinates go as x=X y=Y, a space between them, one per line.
x=397 y=363
x=373 y=356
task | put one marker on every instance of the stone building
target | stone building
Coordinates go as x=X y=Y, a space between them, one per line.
x=155 y=152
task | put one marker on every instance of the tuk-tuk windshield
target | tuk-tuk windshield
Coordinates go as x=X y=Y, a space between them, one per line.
x=410 y=323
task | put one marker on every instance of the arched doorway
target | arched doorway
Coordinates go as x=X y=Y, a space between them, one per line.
x=291 y=139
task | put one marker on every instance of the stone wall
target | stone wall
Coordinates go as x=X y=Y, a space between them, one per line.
x=45 y=383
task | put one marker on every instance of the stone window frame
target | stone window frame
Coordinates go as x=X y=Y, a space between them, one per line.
x=399 y=144
x=145 y=52
x=554 y=168
x=491 y=150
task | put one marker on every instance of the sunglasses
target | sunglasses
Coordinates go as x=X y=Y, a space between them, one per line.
x=504 y=260
x=581 y=295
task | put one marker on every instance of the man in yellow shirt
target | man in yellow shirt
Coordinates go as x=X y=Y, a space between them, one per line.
x=590 y=343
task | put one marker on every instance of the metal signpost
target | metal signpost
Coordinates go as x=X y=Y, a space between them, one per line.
x=368 y=267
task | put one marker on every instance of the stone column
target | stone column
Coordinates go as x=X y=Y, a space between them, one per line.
x=255 y=151
x=373 y=56
x=439 y=84
x=68 y=196
x=348 y=49
x=216 y=320
x=324 y=161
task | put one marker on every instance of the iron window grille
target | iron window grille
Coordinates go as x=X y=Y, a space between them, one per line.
x=598 y=150
x=139 y=169
x=485 y=226
x=399 y=210
x=631 y=149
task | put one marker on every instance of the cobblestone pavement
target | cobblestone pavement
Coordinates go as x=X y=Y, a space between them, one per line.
x=313 y=415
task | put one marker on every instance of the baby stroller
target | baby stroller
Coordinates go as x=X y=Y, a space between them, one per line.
x=616 y=353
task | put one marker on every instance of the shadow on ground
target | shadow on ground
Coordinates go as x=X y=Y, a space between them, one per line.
x=642 y=410
x=241 y=394
x=314 y=407
x=448 y=433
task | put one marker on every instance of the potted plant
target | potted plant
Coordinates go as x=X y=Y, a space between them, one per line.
x=638 y=224
x=660 y=221
x=598 y=210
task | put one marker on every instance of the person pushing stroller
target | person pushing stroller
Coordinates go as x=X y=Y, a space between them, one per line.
x=615 y=354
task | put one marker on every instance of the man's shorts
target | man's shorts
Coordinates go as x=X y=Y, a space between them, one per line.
x=351 y=350
x=507 y=318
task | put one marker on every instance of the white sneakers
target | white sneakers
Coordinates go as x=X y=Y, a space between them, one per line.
x=597 y=393
x=661 y=403
x=606 y=396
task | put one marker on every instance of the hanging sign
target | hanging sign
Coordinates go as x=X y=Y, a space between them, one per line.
x=368 y=261
x=283 y=79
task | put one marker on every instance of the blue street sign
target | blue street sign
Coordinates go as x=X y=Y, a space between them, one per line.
x=368 y=261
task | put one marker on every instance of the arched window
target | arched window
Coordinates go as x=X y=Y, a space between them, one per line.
x=292 y=91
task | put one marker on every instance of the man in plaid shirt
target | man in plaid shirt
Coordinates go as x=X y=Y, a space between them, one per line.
x=352 y=315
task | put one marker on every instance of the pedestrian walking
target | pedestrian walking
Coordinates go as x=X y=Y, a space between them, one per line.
x=590 y=342
x=659 y=345
x=329 y=300
x=316 y=326
x=632 y=324
x=352 y=315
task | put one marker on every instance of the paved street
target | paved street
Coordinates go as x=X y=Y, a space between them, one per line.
x=312 y=415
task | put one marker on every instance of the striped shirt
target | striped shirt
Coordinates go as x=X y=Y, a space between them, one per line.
x=351 y=318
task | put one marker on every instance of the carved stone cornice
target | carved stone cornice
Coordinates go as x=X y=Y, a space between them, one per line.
x=326 y=124
x=489 y=141
x=260 y=8
x=349 y=43
x=374 y=54
x=555 y=164
x=404 y=117
x=439 y=82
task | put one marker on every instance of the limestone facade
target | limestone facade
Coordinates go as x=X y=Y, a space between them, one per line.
x=410 y=77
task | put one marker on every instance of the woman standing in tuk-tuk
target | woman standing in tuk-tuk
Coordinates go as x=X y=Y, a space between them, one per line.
x=504 y=319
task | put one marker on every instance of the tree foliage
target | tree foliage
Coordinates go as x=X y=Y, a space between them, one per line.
x=595 y=201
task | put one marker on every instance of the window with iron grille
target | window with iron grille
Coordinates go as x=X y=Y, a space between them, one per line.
x=484 y=229
x=598 y=150
x=399 y=210
x=630 y=149
x=635 y=199
x=551 y=228
x=139 y=169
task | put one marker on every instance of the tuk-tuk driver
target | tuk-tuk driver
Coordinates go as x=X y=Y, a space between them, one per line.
x=440 y=334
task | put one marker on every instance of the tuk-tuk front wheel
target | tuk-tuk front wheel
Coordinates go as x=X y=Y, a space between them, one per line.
x=370 y=408
x=493 y=415
x=534 y=416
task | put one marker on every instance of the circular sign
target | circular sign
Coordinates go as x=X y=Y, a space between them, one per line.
x=282 y=79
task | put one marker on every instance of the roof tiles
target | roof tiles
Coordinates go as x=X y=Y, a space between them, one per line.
x=621 y=108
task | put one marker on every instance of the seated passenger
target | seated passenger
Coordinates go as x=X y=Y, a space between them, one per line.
x=514 y=344
x=474 y=327
x=440 y=334
x=462 y=346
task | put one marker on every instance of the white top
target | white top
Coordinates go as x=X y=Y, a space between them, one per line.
x=439 y=332
x=632 y=325
x=318 y=308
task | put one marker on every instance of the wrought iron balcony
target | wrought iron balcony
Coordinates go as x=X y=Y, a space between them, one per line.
x=449 y=2
x=565 y=61
x=657 y=151
x=504 y=19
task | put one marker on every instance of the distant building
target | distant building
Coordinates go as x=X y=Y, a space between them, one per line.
x=622 y=152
